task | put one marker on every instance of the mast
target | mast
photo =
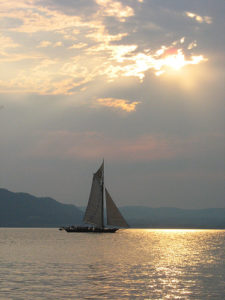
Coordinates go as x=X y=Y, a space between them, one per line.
x=103 y=194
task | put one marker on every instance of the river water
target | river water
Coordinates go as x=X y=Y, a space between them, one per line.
x=130 y=264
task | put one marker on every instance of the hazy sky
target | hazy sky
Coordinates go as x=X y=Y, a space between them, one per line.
x=138 y=82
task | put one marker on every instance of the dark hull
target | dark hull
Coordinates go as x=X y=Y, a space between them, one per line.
x=88 y=229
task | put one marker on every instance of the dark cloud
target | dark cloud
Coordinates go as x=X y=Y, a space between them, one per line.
x=72 y=7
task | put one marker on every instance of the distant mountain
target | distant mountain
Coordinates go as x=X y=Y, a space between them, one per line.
x=169 y=217
x=24 y=210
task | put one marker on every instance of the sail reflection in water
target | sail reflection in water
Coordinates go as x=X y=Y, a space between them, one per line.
x=132 y=264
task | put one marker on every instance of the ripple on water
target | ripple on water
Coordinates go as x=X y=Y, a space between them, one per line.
x=142 y=264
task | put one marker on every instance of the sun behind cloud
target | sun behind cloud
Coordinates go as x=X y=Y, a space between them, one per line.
x=59 y=53
x=177 y=60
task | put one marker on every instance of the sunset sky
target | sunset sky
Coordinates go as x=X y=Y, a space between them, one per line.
x=138 y=82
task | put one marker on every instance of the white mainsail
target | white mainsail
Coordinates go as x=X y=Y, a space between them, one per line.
x=114 y=216
x=94 y=211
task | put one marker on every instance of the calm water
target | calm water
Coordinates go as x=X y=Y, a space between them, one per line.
x=130 y=264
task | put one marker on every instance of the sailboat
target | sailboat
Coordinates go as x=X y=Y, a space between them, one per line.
x=94 y=215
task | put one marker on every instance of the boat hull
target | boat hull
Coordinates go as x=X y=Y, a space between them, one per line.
x=88 y=229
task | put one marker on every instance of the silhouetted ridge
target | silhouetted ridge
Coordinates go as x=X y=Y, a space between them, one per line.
x=25 y=210
x=170 y=217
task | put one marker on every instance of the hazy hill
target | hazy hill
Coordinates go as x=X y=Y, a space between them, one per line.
x=24 y=210
x=169 y=217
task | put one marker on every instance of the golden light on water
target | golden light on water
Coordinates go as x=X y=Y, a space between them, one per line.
x=172 y=262
x=131 y=264
x=176 y=230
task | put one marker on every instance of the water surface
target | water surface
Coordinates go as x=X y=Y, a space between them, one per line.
x=129 y=264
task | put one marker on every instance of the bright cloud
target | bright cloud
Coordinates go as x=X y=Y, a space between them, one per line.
x=192 y=45
x=57 y=44
x=78 y=46
x=44 y=44
x=6 y=43
x=159 y=61
x=37 y=18
x=115 y=9
x=62 y=53
x=198 y=18
x=118 y=103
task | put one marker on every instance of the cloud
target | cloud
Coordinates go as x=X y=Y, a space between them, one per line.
x=57 y=44
x=78 y=46
x=182 y=40
x=198 y=18
x=192 y=45
x=5 y=43
x=91 y=144
x=44 y=44
x=166 y=57
x=118 y=52
x=100 y=51
x=108 y=60
x=37 y=18
x=115 y=9
x=118 y=103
